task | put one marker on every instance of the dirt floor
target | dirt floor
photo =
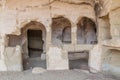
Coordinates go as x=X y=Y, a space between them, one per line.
x=75 y=74
x=74 y=64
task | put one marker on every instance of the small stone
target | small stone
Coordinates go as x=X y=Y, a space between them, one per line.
x=38 y=70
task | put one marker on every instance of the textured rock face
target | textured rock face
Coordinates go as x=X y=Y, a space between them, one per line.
x=57 y=59
x=18 y=16
x=111 y=58
x=13 y=59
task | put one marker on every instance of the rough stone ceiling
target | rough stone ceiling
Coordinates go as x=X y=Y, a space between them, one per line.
x=104 y=5
x=24 y=3
x=78 y=1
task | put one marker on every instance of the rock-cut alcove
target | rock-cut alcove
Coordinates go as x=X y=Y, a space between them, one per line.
x=61 y=31
x=86 y=31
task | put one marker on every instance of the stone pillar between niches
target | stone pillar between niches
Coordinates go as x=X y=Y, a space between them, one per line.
x=3 y=66
x=95 y=59
x=48 y=37
x=48 y=44
x=57 y=59
x=74 y=33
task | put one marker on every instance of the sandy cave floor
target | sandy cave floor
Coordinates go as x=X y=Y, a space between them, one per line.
x=75 y=74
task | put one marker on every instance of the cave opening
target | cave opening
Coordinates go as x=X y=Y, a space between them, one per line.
x=61 y=31
x=79 y=60
x=35 y=43
x=86 y=31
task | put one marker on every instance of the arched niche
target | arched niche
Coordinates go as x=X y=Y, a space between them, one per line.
x=61 y=31
x=86 y=31
x=33 y=28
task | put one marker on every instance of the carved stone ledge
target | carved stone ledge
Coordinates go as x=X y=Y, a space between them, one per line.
x=112 y=43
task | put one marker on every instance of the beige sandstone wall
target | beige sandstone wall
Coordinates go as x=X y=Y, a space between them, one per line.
x=14 y=17
x=111 y=45
x=15 y=14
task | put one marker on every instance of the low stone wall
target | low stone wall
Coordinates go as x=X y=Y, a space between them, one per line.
x=12 y=59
